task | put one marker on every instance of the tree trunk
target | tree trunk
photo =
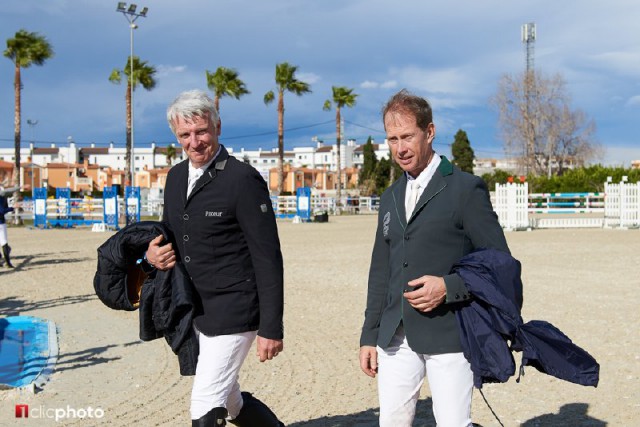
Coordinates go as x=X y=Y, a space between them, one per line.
x=216 y=103
x=17 y=137
x=338 y=162
x=128 y=153
x=280 y=141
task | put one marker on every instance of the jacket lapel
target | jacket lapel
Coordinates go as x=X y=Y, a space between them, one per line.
x=183 y=180
x=435 y=186
x=399 y=193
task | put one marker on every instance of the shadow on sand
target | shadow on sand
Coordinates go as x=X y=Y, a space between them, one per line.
x=89 y=357
x=13 y=306
x=571 y=414
x=37 y=261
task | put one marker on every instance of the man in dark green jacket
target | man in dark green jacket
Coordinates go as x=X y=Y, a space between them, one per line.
x=432 y=216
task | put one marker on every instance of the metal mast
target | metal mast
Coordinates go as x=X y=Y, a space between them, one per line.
x=528 y=34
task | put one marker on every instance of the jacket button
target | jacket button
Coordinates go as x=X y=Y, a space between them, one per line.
x=185 y=237
x=457 y=296
x=405 y=264
x=187 y=258
x=185 y=217
x=406 y=237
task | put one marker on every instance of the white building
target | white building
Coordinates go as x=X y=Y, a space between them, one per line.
x=320 y=156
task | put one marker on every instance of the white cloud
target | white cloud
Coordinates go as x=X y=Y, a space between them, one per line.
x=310 y=78
x=389 y=84
x=621 y=62
x=633 y=101
x=167 y=70
x=368 y=84
x=441 y=81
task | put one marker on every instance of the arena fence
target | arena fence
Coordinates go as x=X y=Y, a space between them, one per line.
x=511 y=202
x=619 y=206
x=102 y=214
x=622 y=205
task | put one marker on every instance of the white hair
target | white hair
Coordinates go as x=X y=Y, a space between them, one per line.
x=189 y=104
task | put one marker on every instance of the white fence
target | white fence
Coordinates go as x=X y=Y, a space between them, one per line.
x=287 y=205
x=516 y=209
x=619 y=205
x=511 y=205
x=622 y=205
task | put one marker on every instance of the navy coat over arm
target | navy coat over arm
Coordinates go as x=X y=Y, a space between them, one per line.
x=491 y=320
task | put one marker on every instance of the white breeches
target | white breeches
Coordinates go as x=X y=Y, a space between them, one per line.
x=216 y=380
x=401 y=373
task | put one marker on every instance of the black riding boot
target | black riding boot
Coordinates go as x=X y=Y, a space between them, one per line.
x=6 y=250
x=254 y=413
x=214 y=418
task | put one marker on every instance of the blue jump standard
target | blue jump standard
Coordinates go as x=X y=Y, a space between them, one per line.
x=28 y=350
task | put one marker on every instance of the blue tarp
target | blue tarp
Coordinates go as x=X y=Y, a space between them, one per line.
x=28 y=350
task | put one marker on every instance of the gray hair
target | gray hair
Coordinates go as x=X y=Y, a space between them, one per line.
x=190 y=104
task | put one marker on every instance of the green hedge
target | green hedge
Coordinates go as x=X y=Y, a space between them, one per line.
x=589 y=179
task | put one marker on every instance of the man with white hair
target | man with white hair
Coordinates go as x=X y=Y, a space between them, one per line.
x=219 y=211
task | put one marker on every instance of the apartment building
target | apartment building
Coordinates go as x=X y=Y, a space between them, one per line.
x=88 y=168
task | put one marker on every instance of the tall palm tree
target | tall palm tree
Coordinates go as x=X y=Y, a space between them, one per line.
x=24 y=50
x=342 y=97
x=142 y=75
x=286 y=81
x=225 y=82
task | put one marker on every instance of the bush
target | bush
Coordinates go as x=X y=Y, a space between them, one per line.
x=588 y=179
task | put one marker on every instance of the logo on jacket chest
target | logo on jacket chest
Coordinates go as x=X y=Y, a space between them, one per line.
x=213 y=213
x=385 y=224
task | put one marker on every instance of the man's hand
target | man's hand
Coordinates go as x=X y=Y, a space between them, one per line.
x=161 y=257
x=369 y=360
x=268 y=348
x=430 y=293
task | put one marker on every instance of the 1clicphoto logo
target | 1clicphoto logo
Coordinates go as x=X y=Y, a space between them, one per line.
x=22 y=411
x=58 y=414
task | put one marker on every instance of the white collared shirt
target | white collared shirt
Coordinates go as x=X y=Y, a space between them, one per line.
x=196 y=173
x=424 y=178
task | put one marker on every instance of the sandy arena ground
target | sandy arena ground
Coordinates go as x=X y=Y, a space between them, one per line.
x=585 y=282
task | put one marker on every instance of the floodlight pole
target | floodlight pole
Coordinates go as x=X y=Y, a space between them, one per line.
x=131 y=16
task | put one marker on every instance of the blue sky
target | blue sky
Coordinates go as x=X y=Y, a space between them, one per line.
x=452 y=52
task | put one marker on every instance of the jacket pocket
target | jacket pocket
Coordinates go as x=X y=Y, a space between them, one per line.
x=232 y=284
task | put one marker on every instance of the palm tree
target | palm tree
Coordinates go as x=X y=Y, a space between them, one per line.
x=170 y=153
x=286 y=81
x=142 y=75
x=225 y=82
x=24 y=50
x=342 y=97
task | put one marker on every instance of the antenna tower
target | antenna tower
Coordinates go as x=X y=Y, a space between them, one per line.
x=529 y=38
